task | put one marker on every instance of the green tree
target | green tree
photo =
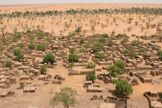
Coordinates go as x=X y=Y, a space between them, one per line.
x=41 y=47
x=78 y=30
x=131 y=53
x=43 y=70
x=91 y=76
x=31 y=46
x=49 y=58
x=16 y=51
x=97 y=47
x=160 y=96
x=160 y=55
x=117 y=68
x=19 y=57
x=114 y=71
x=8 y=63
x=91 y=65
x=100 y=56
x=65 y=96
x=73 y=57
x=123 y=88
x=120 y=64
x=21 y=45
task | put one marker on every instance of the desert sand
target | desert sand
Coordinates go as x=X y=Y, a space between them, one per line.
x=133 y=25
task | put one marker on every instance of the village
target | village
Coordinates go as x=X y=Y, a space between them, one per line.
x=107 y=70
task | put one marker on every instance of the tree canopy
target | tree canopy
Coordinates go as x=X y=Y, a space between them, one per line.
x=117 y=68
x=73 y=57
x=91 y=76
x=49 y=58
x=65 y=96
x=123 y=88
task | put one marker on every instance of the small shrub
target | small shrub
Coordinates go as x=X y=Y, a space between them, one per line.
x=43 y=70
x=8 y=63
x=49 y=58
x=31 y=46
x=91 y=76
x=19 y=57
x=73 y=58
x=41 y=47
x=100 y=56
x=160 y=55
x=97 y=47
x=71 y=34
x=123 y=88
x=78 y=29
x=16 y=52
x=21 y=45
x=91 y=65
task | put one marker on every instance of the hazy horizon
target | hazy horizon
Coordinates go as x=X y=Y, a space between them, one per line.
x=18 y=2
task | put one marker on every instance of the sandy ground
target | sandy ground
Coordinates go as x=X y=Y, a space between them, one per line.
x=44 y=93
x=62 y=25
x=73 y=6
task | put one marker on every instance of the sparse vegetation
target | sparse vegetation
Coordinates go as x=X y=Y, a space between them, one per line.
x=43 y=70
x=91 y=65
x=73 y=57
x=65 y=96
x=91 y=76
x=41 y=47
x=123 y=88
x=49 y=58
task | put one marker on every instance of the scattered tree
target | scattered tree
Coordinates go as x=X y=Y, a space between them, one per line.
x=49 y=58
x=31 y=46
x=123 y=88
x=160 y=55
x=73 y=57
x=117 y=68
x=65 y=96
x=97 y=47
x=43 y=70
x=91 y=65
x=16 y=52
x=41 y=47
x=91 y=76
x=8 y=63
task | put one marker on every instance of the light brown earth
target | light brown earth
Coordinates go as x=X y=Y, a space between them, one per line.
x=56 y=25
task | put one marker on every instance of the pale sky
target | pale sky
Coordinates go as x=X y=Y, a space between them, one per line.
x=13 y=2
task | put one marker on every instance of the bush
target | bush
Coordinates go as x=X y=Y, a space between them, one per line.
x=8 y=63
x=117 y=68
x=71 y=34
x=100 y=56
x=160 y=96
x=105 y=35
x=91 y=76
x=114 y=70
x=31 y=46
x=19 y=57
x=123 y=88
x=73 y=57
x=78 y=29
x=120 y=64
x=40 y=34
x=43 y=70
x=49 y=58
x=97 y=47
x=160 y=55
x=131 y=54
x=91 y=65
x=41 y=47
x=21 y=45
x=16 y=52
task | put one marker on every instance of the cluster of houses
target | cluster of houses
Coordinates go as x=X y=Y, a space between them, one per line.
x=142 y=60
